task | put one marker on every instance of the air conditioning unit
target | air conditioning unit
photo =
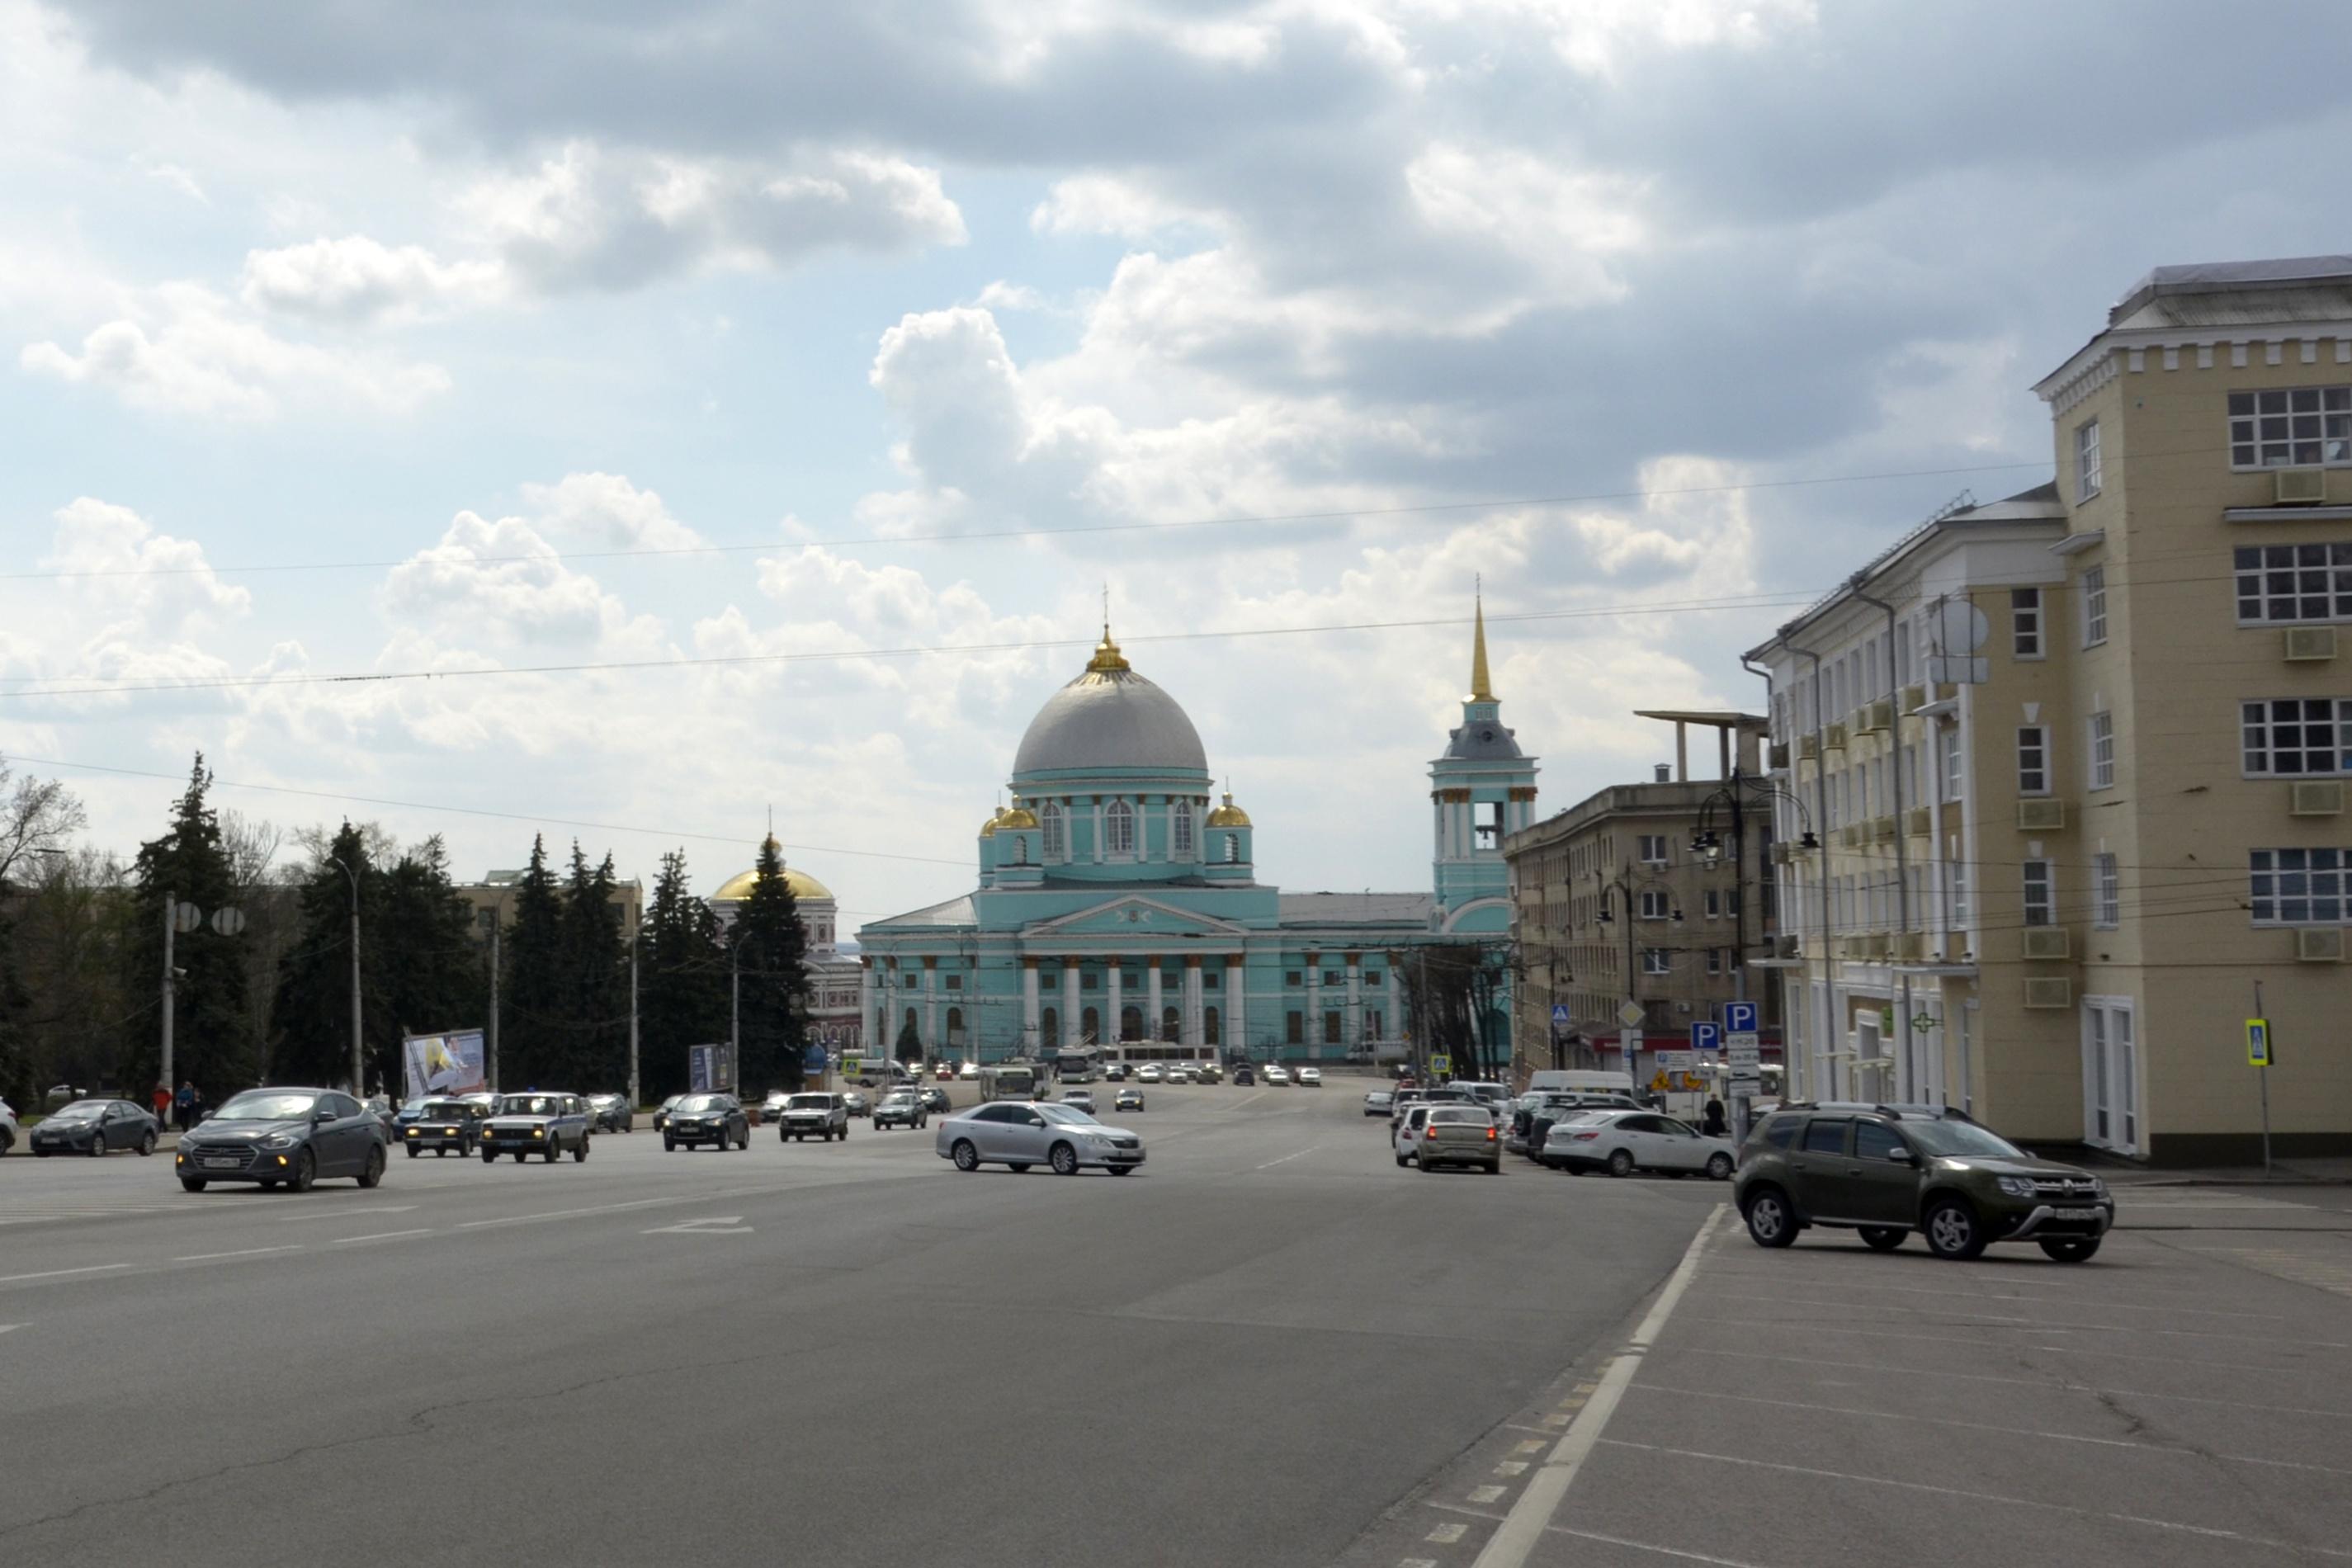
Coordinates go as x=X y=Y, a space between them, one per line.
x=1915 y=697
x=2040 y=816
x=2310 y=644
x=2316 y=798
x=2299 y=486
x=1882 y=830
x=1788 y=947
x=1808 y=747
x=1874 y=947
x=2042 y=942
x=1833 y=737
x=1910 y=946
x=1853 y=947
x=2050 y=994
x=1778 y=757
x=1920 y=821
x=2319 y=944
x=1878 y=715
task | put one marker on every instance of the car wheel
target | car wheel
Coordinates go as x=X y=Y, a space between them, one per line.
x=669 y=1145
x=1122 y=1170
x=580 y=1152
x=1770 y=1223
x=1953 y=1231
x=1621 y=1161
x=965 y=1156
x=1401 y=1160
x=1020 y=1167
x=845 y=1132
x=1428 y=1166
x=1883 y=1238
x=374 y=1172
x=97 y=1145
x=2070 y=1248
x=490 y=1157
x=412 y=1150
x=306 y=1173
x=192 y=1183
x=1495 y=1168
x=1064 y=1159
x=1718 y=1167
x=146 y=1145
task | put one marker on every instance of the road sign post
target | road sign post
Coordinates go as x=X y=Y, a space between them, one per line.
x=2260 y=1055
x=1742 y=1049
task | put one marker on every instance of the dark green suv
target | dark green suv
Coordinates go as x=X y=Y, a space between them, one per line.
x=1889 y=1170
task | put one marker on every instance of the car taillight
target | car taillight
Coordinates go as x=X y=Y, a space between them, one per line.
x=1582 y=1137
x=1490 y=1136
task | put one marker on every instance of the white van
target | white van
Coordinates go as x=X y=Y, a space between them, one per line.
x=1573 y=1082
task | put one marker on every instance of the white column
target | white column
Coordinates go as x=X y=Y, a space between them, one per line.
x=1029 y=1007
x=868 y=996
x=1314 y=1030
x=1099 y=832
x=1069 y=1001
x=1352 y=1027
x=1110 y=1012
x=1236 y=1030
x=930 y=1008
x=1190 y=1027
x=1152 y=998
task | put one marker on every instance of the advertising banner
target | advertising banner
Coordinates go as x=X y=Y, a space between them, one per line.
x=444 y=1064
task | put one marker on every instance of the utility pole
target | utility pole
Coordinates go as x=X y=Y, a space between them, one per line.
x=359 y=1062
x=494 y=1001
x=632 y=1024
x=735 y=1005
x=171 y=924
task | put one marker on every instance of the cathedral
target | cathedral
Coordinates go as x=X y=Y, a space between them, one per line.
x=1116 y=907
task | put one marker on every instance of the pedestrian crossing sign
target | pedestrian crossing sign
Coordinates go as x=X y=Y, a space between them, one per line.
x=2258 y=1042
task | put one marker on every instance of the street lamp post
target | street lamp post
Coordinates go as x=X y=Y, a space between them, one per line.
x=1707 y=845
x=359 y=1065
x=1625 y=885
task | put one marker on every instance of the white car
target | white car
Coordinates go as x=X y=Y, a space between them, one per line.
x=968 y=1070
x=1623 y=1141
x=1150 y=1074
x=1310 y=1078
x=9 y=1131
x=1276 y=1074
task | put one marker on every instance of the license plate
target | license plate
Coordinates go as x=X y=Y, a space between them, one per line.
x=2075 y=1213
x=218 y=1164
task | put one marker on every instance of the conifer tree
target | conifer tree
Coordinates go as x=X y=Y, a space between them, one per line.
x=594 y=1054
x=771 y=950
x=534 y=999
x=211 y=1042
x=681 y=981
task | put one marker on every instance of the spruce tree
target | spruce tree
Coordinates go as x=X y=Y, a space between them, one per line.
x=425 y=960
x=535 y=996
x=210 y=1038
x=311 y=1019
x=770 y=948
x=681 y=981
x=596 y=961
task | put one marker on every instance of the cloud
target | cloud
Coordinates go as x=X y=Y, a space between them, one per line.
x=188 y=352
x=606 y=510
x=593 y=217
x=357 y=278
x=113 y=560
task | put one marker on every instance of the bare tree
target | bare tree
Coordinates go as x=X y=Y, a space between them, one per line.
x=36 y=816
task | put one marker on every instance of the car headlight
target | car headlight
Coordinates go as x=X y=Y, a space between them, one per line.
x=539 y=1132
x=2016 y=1186
x=2098 y=1187
x=278 y=1140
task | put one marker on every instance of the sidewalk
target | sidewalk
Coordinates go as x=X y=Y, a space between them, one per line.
x=2320 y=1172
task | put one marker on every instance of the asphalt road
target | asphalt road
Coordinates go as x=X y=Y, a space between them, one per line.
x=1251 y=1351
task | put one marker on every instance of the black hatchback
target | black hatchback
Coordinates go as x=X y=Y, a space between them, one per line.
x=718 y=1120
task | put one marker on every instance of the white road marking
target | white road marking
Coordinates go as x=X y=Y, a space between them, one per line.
x=1446 y=1534
x=1653 y=1546
x=1286 y=1160
x=61 y=1273
x=1530 y=1446
x=2041 y=1383
x=2208 y=1531
x=378 y=1235
x=243 y=1252
x=1484 y=1494
x=716 y=1224
x=9 y=1328
x=346 y=1213
x=1511 y=1467
x=1815 y=1328
x=1524 y=1526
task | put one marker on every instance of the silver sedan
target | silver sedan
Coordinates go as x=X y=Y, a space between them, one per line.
x=1019 y=1134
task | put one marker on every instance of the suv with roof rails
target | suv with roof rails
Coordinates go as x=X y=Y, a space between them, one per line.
x=1888 y=1170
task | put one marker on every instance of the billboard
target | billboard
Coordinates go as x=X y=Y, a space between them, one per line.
x=444 y=1064
x=709 y=1068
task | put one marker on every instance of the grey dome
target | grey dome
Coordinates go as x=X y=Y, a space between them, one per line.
x=1110 y=720
x=1483 y=740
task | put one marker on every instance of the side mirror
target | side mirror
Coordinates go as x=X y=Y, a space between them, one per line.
x=1901 y=1156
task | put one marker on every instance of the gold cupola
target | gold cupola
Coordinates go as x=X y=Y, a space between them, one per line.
x=1229 y=815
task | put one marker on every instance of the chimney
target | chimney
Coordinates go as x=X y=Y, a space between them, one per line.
x=1666 y=773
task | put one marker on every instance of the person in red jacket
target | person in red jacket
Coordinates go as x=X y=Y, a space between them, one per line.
x=162 y=1100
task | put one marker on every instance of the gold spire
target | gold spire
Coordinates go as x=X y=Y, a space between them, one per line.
x=1481 y=685
x=1108 y=659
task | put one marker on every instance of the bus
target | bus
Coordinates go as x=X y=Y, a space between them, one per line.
x=1078 y=1064
x=1013 y=1081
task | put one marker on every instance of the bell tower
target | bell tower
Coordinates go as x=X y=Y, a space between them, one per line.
x=1481 y=790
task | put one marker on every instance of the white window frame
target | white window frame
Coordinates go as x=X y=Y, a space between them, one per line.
x=2291 y=427
x=1955 y=884
x=2299 y=886
x=1119 y=830
x=2095 y=605
x=2039 y=882
x=1179 y=831
x=1647 y=841
x=2033 y=739
x=1654 y=904
x=2102 y=728
x=1656 y=960
x=2113 y=1075
x=1715 y=961
x=2086 y=460
x=2261 y=719
x=1948 y=742
x=1057 y=829
x=2296 y=578
x=2108 y=897
x=2027 y=626
x=1713 y=904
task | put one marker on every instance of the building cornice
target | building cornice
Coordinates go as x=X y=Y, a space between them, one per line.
x=2122 y=349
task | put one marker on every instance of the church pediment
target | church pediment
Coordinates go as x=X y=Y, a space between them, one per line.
x=1136 y=917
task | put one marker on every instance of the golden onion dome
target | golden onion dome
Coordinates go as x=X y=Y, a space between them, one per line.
x=737 y=887
x=1016 y=815
x=1229 y=815
x=988 y=828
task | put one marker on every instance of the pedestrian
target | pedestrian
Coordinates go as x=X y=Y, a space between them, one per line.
x=184 y=1103
x=162 y=1100
x=1713 y=1125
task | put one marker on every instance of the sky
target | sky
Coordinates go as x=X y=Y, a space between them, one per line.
x=674 y=415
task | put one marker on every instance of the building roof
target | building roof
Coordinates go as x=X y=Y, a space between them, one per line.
x=956 y=911
x=2235 y=293
x=1355 y=908
x=1720 y=719
x=1111 y=718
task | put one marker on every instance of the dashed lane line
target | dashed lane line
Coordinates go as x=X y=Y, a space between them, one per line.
x=61 y=1273
x=241 y=1252
x=379 y=1236
x=1286 y=1160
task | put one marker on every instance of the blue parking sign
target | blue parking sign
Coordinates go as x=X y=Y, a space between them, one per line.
x=1739 y=1018
x=1707 y=1037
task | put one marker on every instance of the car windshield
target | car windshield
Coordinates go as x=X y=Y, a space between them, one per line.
x=530 y=1105
x=441 y=1109
x=701 y=1102
x=82 y=1107
x=265 y=1105
x=1065 y=1116
x=1450 y=1113
x=809 y=1103
x=889 y=1099
x=1961 y=1138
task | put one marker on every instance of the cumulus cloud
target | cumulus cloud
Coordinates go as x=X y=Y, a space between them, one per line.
x=606 y=510
x=357 y=278
x=113 y=559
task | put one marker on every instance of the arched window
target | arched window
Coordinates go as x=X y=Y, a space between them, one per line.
x=912 y=1027
x=1021 y=849
x=1119 y=829
x=1057 y=847
x=1131 y=1023
x=1089 y=1028
x=1169 y=1029
x=1209 y=1032
x=1233 y=848
x=1049 y=1029
x=1181 y=831
x=955 y=1025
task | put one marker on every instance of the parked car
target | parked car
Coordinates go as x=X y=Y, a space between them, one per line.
x=1151 y=1073
x=1560 y=1108
x=1128 y=1098
x=717 y=1119
x=813 y=1115
x=1378 y=1101
x=442 y=1124
x=1623 y=1141
x=1310 y=1078
x=1436 y=1135
x=1210 y=1072
x=284 y=1138
x=772 y=1106
x=968 y=1070
x=859 y=1105
x=61 y=1094
x=935 y=1101
x=661 y=1112
x=97 y=1127
x=1019 y=1135
x=1080 y=1099
x=542 y=1122
x=9 y=1131
x=1276 y=1075
x=901 y=1108
x=1245 y=1075
x=1887 y=1171
x=612 y=1112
